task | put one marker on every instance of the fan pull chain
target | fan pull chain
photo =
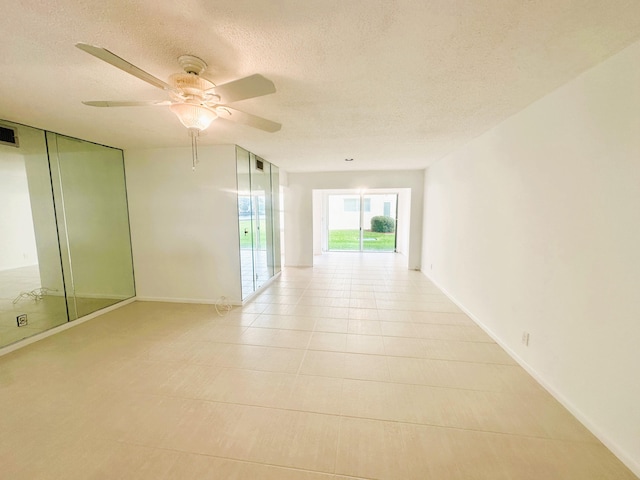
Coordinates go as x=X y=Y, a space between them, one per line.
x=193 y=132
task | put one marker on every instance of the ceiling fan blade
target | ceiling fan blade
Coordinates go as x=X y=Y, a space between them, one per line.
x=107 y=103
x=111 y=58
x=248 y=119
x=243 y=88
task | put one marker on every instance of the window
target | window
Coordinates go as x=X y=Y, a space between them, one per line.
x=351 y=205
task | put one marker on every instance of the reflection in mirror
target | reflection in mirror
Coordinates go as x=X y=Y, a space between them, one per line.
x=261 y=200
x=65 y=247
x=258 y=220
x=32 y=294
x=89 y=188
x=276 y=212
x=245 y=221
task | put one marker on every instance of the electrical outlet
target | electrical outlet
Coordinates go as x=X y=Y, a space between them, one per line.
x=525 y=339
x=21 y=320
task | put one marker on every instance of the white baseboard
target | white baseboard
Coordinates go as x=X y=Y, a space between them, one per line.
x=60 y=328
x=623 y=455
x=203 y=301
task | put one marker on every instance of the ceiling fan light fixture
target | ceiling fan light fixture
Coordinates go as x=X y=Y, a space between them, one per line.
x=194 y=116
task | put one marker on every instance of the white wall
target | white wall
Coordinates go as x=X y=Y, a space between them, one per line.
x=535 y=226
x=184 y=224
x=403 y=234
x=319 y=221
x=299 y=207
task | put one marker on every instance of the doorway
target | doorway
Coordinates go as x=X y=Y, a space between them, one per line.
x=362 y=222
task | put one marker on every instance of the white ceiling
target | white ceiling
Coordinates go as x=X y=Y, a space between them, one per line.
x=394 y=84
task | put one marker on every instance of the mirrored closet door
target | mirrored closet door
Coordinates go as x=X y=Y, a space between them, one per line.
x=258 y=220
x=65 y=248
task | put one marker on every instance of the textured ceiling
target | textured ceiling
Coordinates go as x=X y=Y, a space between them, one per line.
x=390 y=83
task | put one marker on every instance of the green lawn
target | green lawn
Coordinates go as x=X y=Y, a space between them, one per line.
x=245 y=239
x=350 y=240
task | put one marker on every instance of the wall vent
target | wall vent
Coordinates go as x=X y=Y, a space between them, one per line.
x=259 y=164
x=8 y=136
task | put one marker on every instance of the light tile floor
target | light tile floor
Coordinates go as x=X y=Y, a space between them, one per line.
x=357 y=368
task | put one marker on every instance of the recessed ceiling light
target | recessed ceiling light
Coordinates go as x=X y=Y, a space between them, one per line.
x=348 y=159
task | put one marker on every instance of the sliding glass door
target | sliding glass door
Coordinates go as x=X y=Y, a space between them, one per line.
x=379 y=218
x=344 y=223
x=362 y=222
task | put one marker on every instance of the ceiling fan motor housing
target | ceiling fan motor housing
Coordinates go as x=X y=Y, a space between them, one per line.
x=191 y=64
x=190 y=84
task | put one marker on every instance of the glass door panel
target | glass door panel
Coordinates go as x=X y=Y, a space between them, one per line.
x=343 y=223
x=379 y=216
x=362 y=222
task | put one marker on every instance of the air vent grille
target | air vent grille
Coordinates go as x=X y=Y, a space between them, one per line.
x=8 y=136
x=259 y=164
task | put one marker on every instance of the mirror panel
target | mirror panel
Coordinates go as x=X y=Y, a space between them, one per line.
x=245 y=221
x=260 y=185
x=31 y=280
x=276 y=212
x=65 y=247
x=91 y=200
x=259 y=230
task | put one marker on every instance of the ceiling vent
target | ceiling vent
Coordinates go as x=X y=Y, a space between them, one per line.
x=8 y=136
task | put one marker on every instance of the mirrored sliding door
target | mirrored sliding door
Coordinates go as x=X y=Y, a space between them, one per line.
x=32 y=291
x=65 y=248
x=258 y=220
x=93 y=222
x=245 y=221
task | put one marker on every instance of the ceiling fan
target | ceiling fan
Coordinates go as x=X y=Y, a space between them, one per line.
x=194 y=99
